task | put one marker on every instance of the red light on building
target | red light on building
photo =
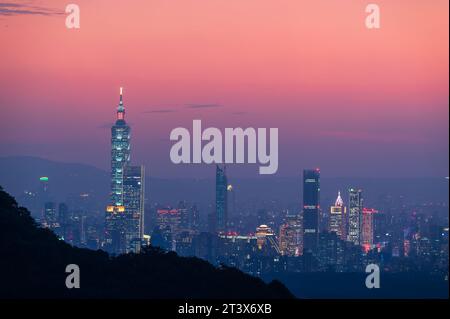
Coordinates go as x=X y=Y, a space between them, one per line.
x=366 y=248
x=232 y=233
x=167 y=211
x=369 y=211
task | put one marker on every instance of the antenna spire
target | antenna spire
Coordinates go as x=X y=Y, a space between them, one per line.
x=121 y=108
x=339 y=201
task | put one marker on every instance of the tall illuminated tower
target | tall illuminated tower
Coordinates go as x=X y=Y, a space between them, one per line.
x=115 y=220
x=355 y=205
x=120 y=154
x=311 y=206
x=221 y=199
x=367 y=228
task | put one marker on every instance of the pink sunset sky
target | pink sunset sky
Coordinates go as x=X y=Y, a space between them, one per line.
x=351 y=100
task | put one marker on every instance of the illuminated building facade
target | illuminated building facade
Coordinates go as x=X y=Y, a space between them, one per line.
x=120 y=154
x=170 y=219
x=355 y=203
x=265 y=241
x=133 y=198
x=311 y=206
x=290 y=236
x=337 y=219
x=367 y=228
x=115 y=229
x=125 y=213
x=50 y=216
x=168 y=222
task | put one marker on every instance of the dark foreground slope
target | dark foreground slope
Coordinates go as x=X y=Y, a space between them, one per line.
x=33 y=263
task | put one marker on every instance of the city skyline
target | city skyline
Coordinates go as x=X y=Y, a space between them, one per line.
x=331 y=88
x=196 y=150
x=268 y=241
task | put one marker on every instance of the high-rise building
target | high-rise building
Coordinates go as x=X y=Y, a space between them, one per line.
x=367 y=228
x=169 y=218
x=115 y=240
x=283 y=239
x=43 y=189
x=337 y=219
x=168 y=222
x=380 y=228
x=50 y=216
x=311 y=206
x=184 y=215
x=43 y=194
x=290 y=234
x=194 y=223
x=331 y=252
x=355 y=204
x=133 y=198
x=120 y=154
x=63 y=219
x=115 y=227
x=231 y=207
x=221 y=199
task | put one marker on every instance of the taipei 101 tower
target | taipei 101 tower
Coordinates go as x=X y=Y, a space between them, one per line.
x=124 y=221
x=120 y=154
x=116 y=216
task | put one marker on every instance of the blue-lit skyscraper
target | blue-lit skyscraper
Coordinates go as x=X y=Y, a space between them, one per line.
x=311 y=206
x=120 y=154
x=115 y=221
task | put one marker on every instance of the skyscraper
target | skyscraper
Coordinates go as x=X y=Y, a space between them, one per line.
x=115 y=227
x=50 y=216
x=43 y=193
x=194 y=218
x=63 y=219
x=120 y=153
x=231 y=206
x=168 y=221
x=290 y=233
x=133 y=198
x=337 y=219
x=221 y=199
x=184 y=215
x=331 y=252
x=311 y=206
x=355 y=204
x=367 y=228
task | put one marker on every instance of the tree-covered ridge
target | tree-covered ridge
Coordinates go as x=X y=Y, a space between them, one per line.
x=33 y=262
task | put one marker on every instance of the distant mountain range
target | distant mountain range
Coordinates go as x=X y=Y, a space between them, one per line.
x=19 y=174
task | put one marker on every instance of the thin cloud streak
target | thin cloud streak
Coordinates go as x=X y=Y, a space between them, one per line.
x=202 y=106
x=15 y=9
x=159 y=111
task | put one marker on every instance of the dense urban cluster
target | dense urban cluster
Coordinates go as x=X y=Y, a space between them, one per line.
x=343 y=236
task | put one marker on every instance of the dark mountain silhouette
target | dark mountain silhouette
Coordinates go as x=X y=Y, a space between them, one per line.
x=33 y=262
